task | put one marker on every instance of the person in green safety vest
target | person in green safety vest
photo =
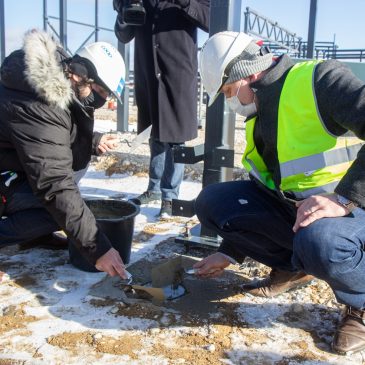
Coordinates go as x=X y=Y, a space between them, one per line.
x=301 y=212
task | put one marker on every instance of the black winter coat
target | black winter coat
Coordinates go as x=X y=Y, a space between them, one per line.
x=36 y=122
x=84 y=140
x=165 y=66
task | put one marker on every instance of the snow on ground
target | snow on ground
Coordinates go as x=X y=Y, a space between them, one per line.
x=97 y=185
x=48 y=314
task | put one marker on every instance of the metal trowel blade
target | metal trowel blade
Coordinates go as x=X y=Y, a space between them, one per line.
x=171 y=292
x=168 y=292
x=129 y=279
x=140 y=138
x=156 y=293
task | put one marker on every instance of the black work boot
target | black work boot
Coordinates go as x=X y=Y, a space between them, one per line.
x=350 y=334
x=146 y=197
x=166 y=209
x=277 y=282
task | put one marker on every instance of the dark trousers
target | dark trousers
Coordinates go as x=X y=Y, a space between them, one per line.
x=259 y=225
x=24 y=218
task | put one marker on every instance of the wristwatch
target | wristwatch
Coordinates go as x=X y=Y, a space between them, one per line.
x=348 y=204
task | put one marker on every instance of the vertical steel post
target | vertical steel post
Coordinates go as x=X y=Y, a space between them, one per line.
x=247 y=18
x=2 y=30
x=45 y=15
x=312 y=28
x=220 y=121
x=96 y=20
x=123 y=110
x=63 y=23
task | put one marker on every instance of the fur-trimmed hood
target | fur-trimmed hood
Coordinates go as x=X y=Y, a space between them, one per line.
x=37 y=68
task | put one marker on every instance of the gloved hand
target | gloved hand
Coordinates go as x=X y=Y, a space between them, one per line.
x=182 y=3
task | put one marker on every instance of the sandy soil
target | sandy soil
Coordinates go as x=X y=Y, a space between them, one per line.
x=52 y=313
x=53 y=316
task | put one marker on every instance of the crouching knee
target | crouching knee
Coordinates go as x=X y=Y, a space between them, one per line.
x=312 y=251
x=204 y=203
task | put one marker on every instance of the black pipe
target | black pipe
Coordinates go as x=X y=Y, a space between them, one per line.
x=312 y=28
x=2 y=30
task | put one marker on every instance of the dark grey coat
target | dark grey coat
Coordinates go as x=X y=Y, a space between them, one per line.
x=165 y=66
x=341 y=102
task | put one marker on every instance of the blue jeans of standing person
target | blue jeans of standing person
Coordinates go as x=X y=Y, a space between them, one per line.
x=24 y=218
x=165 y=175
x=256 y=223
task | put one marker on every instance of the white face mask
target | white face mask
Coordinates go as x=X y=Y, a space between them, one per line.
x=246 y=110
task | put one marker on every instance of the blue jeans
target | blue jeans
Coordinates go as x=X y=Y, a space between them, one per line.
x=256 y=223
x=24 y=218
x=165 y=176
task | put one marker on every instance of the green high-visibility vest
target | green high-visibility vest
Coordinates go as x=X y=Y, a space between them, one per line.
x=312 y=160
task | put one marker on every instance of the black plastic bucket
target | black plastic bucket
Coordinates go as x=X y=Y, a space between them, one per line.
x=116 y=219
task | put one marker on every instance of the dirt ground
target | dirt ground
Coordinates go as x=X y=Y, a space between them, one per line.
x=52 y=313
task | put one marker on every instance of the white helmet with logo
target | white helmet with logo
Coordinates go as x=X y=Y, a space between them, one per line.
x=109 y=65
x=217 y=52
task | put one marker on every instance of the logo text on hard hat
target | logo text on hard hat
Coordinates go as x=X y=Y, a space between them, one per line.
x=107 y=51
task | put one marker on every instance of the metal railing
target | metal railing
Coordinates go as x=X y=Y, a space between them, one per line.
x=270 y=31
x=329 y=50
x=280 y=40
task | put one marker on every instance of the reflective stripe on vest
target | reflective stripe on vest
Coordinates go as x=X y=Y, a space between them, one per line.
x=306 y=165
x=329 y=188
x=312 y=160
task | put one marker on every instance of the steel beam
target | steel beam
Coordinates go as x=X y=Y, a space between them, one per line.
x=63 y=23
x=312 y=28
x=2 y=30
x=271 y=32
x=123 y=110
x=220 y=121
x=45 y=15
x=219 y=132
x=96 y=20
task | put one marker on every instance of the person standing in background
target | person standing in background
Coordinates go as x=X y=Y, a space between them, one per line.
x=165 y=78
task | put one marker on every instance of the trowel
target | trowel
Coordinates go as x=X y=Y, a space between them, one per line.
x=167 y=280
x=168 y=292
x=140 y=139
x=129 y=278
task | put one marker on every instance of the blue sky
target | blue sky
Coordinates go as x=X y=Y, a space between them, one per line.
x=342 y=20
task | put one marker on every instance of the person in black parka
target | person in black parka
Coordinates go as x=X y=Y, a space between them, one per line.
x=165 y=82
x=41 y=114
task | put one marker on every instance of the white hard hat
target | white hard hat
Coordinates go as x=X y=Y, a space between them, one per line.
x=109 y=65
x=217 y=52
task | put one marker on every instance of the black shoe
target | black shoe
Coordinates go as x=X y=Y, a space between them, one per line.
x=166 y=209
x=49 y=241
x=146 y=197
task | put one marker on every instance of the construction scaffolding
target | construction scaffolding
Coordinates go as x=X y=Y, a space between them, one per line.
x=281 y=40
